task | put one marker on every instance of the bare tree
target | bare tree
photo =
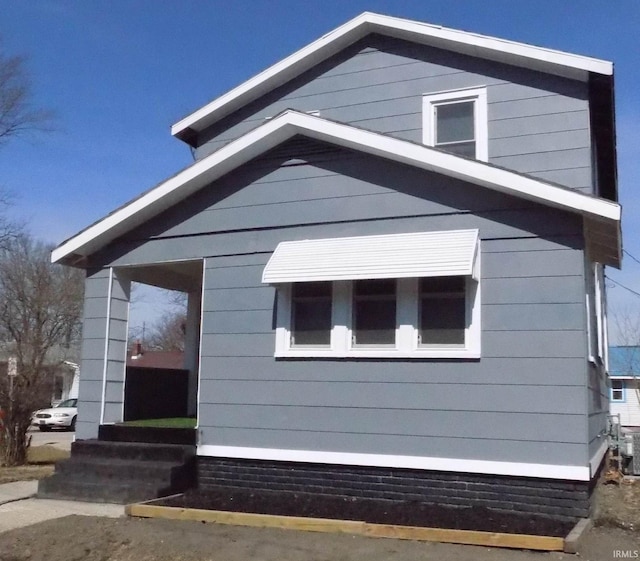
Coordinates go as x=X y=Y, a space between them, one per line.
x=18 y=116
x=17 y=113
x=168 y=332
x=9 y=229
x=40 y=314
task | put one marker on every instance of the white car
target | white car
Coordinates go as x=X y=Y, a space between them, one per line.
x=63 y=415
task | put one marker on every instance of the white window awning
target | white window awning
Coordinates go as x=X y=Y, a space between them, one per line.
x=421 y=254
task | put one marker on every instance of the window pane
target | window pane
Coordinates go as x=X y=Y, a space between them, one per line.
x=442 y=321
x=617 y=387
x=454 y=122
x=466 y=149
x=312 y=289
x=379 y=287
x=311 y=314
x=374 y=312
x=442 y=311
x=449 y=285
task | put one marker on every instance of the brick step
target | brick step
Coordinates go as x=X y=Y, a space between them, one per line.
x=133 y=450
x=125 y=433
x=116 y=469
x=121 y=492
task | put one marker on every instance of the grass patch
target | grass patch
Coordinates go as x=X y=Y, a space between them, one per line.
x=42 y=455
x=40 y=464
x=25 y=473
x=171 y=423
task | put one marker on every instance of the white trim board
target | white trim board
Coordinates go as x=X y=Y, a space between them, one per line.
x=291 y=123
x=516 y=469
x=594 y=462
x=501 y=50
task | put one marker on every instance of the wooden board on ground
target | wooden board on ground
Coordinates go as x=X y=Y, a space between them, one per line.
x=467 y=537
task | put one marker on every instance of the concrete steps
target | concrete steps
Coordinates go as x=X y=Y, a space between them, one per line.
x=121 y=472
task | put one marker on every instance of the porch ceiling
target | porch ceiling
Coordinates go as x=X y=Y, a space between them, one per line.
x=185 y=276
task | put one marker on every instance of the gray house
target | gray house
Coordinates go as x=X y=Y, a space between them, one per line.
x=393 y=243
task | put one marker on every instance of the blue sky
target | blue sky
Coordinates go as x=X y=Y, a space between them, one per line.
x=118 y=73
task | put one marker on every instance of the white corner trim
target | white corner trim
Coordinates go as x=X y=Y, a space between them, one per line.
x=545 y=471
x=501 y=50
x=594 y=463
x=203 y=290
x=105 y=358
x=290 y=123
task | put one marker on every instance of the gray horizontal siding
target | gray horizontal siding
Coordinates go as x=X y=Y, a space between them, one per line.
x=495 y=344
x=391 y=396
x=487 y=372
x=383 y=421
x=378 y=84
x=94 y=331
x=363 y=195
x=461 y=448
x=533 y=347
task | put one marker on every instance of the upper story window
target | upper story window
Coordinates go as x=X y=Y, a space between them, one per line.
x=617 y=390
x=456 y=121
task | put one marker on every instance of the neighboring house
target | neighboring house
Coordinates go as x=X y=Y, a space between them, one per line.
x=138 y=357
x=624 y=376
x=62 y=383
x=388 y=241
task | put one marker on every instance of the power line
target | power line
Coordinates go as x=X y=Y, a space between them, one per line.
x=623 y=286
x=632 y=257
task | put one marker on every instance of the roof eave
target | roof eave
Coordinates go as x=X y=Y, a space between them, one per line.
x=509 y=52
x=289 y=123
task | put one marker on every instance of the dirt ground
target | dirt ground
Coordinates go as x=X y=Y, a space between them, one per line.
x=619 y=505
x=78 y=538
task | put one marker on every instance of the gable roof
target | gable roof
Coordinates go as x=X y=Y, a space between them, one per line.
x=601 y=215
x=500 y=50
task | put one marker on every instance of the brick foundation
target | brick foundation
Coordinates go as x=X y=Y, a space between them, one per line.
x=558 y=499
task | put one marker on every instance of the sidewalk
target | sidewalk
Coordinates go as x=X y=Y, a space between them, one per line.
x=18 y=508
x=16 y=491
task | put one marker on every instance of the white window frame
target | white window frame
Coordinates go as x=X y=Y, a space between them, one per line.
x=481 y=128
x=406 y=344
x=597 y=321
x=621 y=389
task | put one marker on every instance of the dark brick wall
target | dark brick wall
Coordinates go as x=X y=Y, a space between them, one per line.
x=562 y=500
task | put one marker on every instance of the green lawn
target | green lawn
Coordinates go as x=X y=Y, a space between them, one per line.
x=172 y=423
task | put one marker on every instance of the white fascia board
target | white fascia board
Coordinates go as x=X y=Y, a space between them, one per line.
x=176 y=188
x=290 y=123
x=472 y=171
x=273 y=76
x=517 y=469
x=501 y=50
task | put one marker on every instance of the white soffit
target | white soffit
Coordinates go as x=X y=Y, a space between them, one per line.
x=291 y=123
x=501 y=50
x=422 y=254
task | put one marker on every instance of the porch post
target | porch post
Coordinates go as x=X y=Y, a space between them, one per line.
x=192 y=348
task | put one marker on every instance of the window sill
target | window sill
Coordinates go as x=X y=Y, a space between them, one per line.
x=381 y=353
